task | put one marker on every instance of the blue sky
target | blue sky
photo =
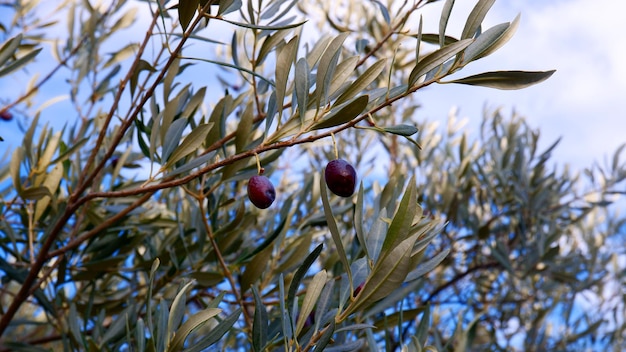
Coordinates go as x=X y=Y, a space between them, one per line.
x=583 y=102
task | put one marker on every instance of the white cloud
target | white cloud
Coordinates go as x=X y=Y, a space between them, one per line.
x=583 y=41
x=583 y=101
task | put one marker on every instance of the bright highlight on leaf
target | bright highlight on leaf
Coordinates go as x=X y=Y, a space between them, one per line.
x=505 y=79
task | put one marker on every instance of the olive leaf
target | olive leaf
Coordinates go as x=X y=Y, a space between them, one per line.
x=186 y=11
x=506 y=80
x=343 y=113
x=190 y=144
x=476 y=18
x=434 y=59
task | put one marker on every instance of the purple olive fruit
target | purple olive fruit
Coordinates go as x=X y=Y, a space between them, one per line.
x=261 y=191
x=340 y=177
x=6 y=116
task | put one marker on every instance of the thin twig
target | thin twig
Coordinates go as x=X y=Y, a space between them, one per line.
x=389 y=34
x=62 y=63
x=459 y=277
x=172 y=182
x=84 y=181
x=225 y=270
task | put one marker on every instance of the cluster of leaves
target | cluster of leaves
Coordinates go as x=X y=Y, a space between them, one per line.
x=128 y=228
x=529 y=245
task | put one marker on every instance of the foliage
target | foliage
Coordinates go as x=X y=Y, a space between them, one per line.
x=128 y=228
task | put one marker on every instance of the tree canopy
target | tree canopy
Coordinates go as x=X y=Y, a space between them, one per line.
x=134 y=224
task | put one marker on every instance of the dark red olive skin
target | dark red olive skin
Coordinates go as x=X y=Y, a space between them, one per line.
x=340 y=177
x=261 y=192
x=358 y=289
x=6 y=116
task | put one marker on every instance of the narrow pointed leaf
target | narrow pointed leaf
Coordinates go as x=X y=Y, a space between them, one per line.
x=191 y=143
x=9 y=48
x=172 y=110
x=253 y=26
x=266 y=242
x=116 y=329
x=35 y=193
x=153 y=270
x=294 y=125
x=339 y=82
x=270 y=43
x=194 y=102
x=301 y=82
x=194 y=322
x=172 y=137
x=260 y=323
x=506 y=80
x=476 y=17
x=360 y=270
x=422 y=329
x=402 y=220
x=141 y=66
x=402 y=130
x=362 y=82
x=286 y=57
x=503 y=39
x=432 y=38
x=178 y=309
x=433 y=60
x=299 y=275
x=192 y=164
x=51 y=183
x=418 y=45
x=443 y=21
x=239 y=68
x=228 y=6
x=324 y=301
x=140 y=335
x=427 y=266
x=484 y=42
x=285 y=318
x=326 y=336
x=318 y=49
x=343 y=114
x=354 y=327
x=216 y=334
x=358 y=221
x=186 y=10
x=15 y=65
x=376 y=235
x=334 y=230
x=326 y=66
x=272 y=10
x=314 y=289
x=14 y=168
x=388 y=274
x=393 y=298
x=383 y=10
x=255 y=269
x=244 y=129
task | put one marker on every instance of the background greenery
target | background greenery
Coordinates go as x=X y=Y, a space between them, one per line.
x=127 y=227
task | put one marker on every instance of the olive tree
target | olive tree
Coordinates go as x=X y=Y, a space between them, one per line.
x=129 y=226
